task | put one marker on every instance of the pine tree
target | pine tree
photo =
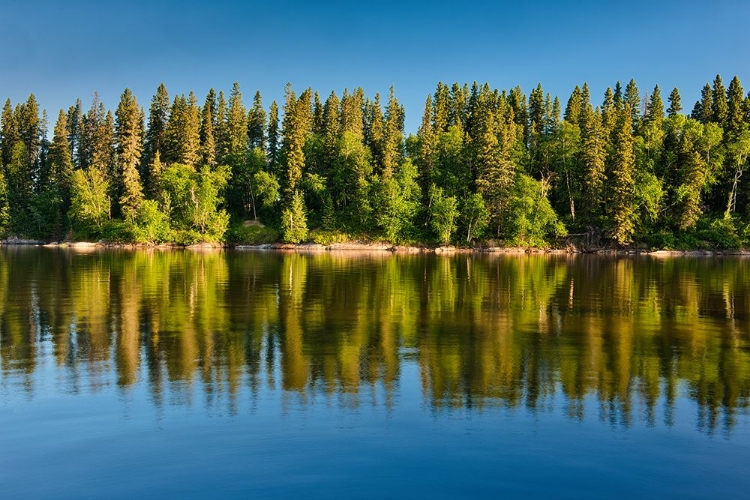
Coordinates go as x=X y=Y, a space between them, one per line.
x=392 y=136
x=182 y=136
x=458 y=100
x=617 y=97
x=623 y=180
x=675 y=103
x=653 y=121
x=207 y=142
x=129 y=140
x=273 y=136
x=703 y=109
x=236 y=125
x=735 y=107
x=351 y=112
x=221 y=135
x=426 y=140
x=29 y=129
x=256 y=124
x=719 y=106
x=317 y=125
x=609 y=114
x=441 y=109
x=537 y=110
x=9 y=133
x=61 y=160
x=294 y=220
x=75 y=129
x=593 y=155
x=158 y=118
x=632 y=98
x=573 y=109
x=294 y=136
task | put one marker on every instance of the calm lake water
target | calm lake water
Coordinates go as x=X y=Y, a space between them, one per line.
x=139 y=374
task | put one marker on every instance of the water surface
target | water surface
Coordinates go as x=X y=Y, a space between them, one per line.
x=228 y=374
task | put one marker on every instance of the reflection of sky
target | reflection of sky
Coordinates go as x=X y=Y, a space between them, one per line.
x=118 y=444
x=64 y=50
x=387 y=375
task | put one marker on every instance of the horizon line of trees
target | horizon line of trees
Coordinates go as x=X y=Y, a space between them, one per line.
x=484 y=164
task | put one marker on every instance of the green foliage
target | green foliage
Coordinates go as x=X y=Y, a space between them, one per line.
x=398 y=199
x=328 y=237
x=443 y=214
x=294 y=220
x=194 y=200
x=474 y=215
x=89 y=209
x=531 y=219
x=251 y=234
x=151 y=224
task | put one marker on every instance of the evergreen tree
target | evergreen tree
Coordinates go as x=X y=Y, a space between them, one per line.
x=129 y=140
x=294 y=220
x=207 y=142
x=273 y=136
x=537 y=110
x=221 y=136
x=426 y=140
x=441 y=109
x=573 y=109
x=623 y=180
x=351 y=112
x=392 y=136
x=675 y=103
x=236 y=125
x=8 y=133
x=29 y=129
x=75 y=129
x=593 y=155
x=61 y=161
x=719 y=106
x=256 y=124
x=735 y=107
x=632 y=98
x=158 y=118
x=703 y=109
x=609 y=115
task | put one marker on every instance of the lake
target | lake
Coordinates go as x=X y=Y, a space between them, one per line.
x=162 y=374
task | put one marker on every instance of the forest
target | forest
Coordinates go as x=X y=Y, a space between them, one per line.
x=486 y=166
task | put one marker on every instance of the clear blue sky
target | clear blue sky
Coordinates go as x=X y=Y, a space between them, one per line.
x=62 y=50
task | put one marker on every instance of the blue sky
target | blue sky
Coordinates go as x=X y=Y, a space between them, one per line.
x=62 y=50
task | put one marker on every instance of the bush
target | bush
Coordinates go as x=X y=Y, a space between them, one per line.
x=251 y=234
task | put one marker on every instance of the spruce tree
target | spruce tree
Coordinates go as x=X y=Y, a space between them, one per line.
x=129 y=140
x=675 y=103
x=441 y=109
x=8 y=133
x=735 y=107
x=236 y=124
x=632 y=98
x=273 y=136
x=75 y=129
x=622 y=198
x=256 y=124
x=573 y=108
x=719 y=106
x=61 y=160
x=392 y=136
x=158 y=118
x=594 y=140
x=207 y=142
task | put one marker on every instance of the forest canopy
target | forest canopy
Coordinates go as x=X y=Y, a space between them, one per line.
x=628 y=169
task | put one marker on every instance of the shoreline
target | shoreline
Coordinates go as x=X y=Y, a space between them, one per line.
x=374 y=247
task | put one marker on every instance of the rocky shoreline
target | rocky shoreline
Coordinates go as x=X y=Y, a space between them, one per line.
x=359 y=246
